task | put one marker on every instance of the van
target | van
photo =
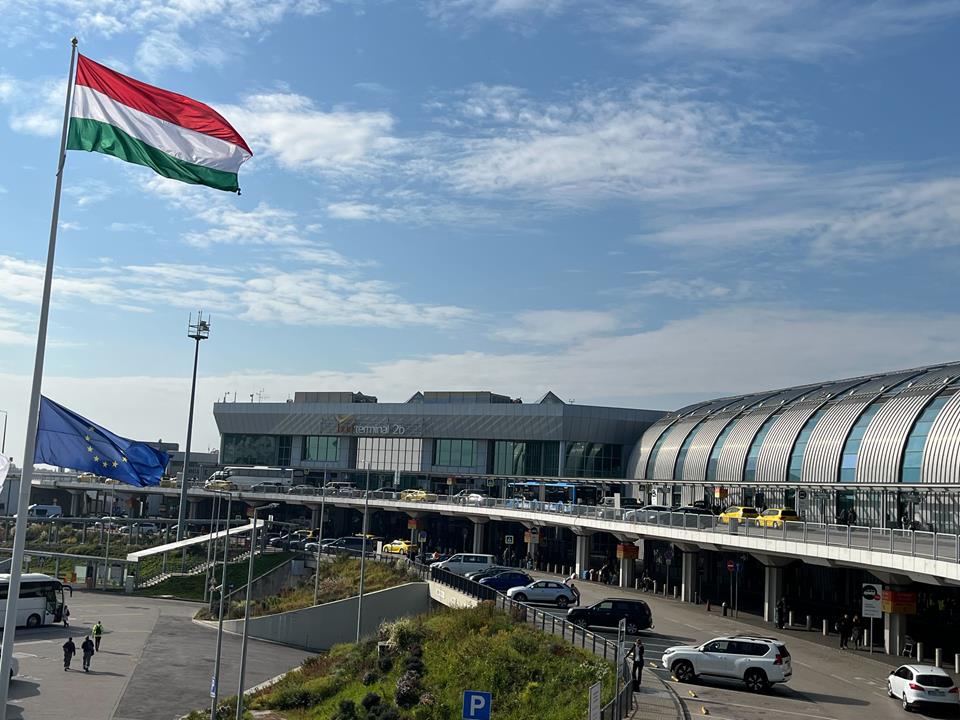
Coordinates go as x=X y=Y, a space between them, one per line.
x=44 y=511
x=463 y=563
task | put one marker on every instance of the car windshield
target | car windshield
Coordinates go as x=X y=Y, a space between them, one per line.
x=939 y=681
x=769 y=513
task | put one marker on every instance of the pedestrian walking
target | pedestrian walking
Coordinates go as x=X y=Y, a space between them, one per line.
x=69 y=650
x=66 y=616
x=97 y=634
x=574 y=590
x=843 y=627
x=637 y=653
x=88 y=650
x=781 y=612
x=855 y=631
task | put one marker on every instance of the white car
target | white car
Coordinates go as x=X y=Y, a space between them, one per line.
x=758 y=661
x=544 y=591
x=917 y=685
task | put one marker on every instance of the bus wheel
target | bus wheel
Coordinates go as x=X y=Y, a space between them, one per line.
x=33 y=621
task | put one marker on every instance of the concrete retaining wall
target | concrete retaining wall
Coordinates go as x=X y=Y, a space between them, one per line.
x=450 y=597
x=320 y=627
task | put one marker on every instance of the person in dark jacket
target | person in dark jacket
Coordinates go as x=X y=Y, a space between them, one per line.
x=781 y=613
x=69 y=650
x=87 y=648
x=637 y=652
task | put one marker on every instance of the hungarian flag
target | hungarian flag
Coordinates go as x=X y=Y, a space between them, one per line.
x=178 y=137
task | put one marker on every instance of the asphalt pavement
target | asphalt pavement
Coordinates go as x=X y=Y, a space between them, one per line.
x=154 y=663
x=827 y=683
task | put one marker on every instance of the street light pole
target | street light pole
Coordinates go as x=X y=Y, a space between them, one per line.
x=197 y=331
x=215 y=684
x=323 y=502
x=363 y=552
x=246 y=610
x=211 y=547
x=3 y=443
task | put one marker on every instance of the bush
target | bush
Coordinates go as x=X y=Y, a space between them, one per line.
x=370 y=700
x=408 y=690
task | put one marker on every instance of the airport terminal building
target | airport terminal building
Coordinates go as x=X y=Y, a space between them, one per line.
x=432 y=435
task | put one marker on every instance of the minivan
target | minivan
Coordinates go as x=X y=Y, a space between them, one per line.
x=44 y=511
x=462 y=563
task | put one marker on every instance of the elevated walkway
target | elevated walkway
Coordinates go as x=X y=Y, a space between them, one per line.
x=189 y=542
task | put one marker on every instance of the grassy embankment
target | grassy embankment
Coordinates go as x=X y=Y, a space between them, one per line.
x=432 y=659
x=339 y=579
x=190 y=587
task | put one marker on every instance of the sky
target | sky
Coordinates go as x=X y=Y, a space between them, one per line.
x=629 y=203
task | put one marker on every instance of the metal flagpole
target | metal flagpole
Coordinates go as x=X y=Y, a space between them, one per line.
x=26 y=475
x=363 y=551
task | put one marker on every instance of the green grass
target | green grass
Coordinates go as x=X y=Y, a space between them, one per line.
x=190 y=587
x=339 y=579
x=432 y=660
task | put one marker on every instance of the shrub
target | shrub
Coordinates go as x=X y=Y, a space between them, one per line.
x=408 y=690
x=370 y=700
x=385 y=664
x=347 y=711
x=369 y=677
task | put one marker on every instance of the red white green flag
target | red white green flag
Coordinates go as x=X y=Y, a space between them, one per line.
x=178 y=137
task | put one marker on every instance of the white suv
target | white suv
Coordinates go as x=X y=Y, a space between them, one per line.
x=758 y=661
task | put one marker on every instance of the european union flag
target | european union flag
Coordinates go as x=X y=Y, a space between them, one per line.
x=68 y=440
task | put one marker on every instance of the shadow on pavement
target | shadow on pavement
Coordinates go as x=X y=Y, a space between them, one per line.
x=21 y=689
x=816 y=697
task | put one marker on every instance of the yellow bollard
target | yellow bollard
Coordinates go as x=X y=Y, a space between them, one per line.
x=703 y=710
x=691 y=693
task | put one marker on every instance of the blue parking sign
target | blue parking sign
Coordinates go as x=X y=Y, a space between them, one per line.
x=476 y=705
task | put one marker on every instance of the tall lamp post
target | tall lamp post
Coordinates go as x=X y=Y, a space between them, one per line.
x=323 y=502
x=246 y=610
x=215 y=682
x=3 y=451
x=196 y=331
x=363 y=552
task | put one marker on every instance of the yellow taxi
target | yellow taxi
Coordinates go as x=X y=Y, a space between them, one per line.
x=414 y=495
x=775 y=517
x=738 y=512
x=400 y=547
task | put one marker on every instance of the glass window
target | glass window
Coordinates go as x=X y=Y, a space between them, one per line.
x=851 y=449
x=251 y=450
x=594 y=460
x=320 y=448
x=795 y=471
x=536 y=458
x=715 y=452
x=454 y=453
x=750 y=471
x=284 y=445
x=911 y=467
x=382 y=453
x=682 y=455
x=652 y=461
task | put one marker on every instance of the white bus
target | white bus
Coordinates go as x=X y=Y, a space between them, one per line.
x=244 y=478
x=41 y=599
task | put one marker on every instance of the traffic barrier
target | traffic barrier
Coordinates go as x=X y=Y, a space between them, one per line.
x=956 y=664
x=938 y=657
x=826 y=627
x=790 y=618
x=809 y=622
x=919 y=652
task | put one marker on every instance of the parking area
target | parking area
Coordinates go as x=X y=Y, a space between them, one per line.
x=154 y=663
x=827 y=683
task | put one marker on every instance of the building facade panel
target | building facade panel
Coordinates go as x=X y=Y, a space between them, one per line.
x=695 y=464
x=941 y=454
x=821 y=463
x=733 y=455
x=774 y=458
x=881 y=449
x=667 y=456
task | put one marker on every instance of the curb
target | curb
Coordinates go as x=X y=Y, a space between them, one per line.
x=682 y=712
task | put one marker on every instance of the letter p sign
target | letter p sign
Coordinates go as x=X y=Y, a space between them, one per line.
x=476 y=705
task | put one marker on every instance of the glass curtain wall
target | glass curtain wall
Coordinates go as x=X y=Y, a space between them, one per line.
x=389 y=453
x=455 y=453
x=255 y=450
x=534 y=457
x=320 y=448
x=593 y=460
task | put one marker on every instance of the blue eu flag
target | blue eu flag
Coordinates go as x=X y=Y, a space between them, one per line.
x=68 y=440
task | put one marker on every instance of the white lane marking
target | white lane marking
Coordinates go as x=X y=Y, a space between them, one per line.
x=763 y=708
x=32 y=642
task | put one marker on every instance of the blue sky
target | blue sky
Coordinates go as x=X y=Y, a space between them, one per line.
x=636 y=203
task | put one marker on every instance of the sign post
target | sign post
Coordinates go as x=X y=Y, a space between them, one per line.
x=476 y=705
x=595 y=701
x=871 y=606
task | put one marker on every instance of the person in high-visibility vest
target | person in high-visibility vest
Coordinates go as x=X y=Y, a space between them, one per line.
x=97 y=634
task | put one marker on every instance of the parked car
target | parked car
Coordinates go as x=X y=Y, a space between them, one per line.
x=400 y=547
x=693 y=510
x=352 y=545
x=776 y=517
x=608 y=613
x=506 y=580
x=922 y=685
x=302 y=490
x=544 y=591
x=648 y=513
x=221 y=485
x=269 y=487
x=479 y=575
x=414 y=495
x=759 y=661
x=471 y=496
x=462 y=563
x=738 y=512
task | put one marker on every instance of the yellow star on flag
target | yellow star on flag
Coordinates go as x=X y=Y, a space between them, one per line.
x=87 y=438
x=115 y=463
x=105 y=463
x=123 y=459
x=89 y=448
x=96 y=458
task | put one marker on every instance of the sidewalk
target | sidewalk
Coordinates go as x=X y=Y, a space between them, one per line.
x=655 y=700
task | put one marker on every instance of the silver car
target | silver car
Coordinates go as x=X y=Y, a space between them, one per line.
x=544 y=591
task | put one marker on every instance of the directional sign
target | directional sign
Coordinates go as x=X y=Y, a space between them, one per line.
x=213 y=686
x=872 y=601
x=508 y=539
x=595 y=701
x=422 y=537
x=731 y=565
x=476 y=705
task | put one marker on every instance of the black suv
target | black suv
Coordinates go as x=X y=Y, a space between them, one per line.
x=609 y=612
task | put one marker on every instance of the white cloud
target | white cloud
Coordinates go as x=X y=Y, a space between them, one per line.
x=35 y=105
x=557 y=327
x=484 y=9
x=735 y=349
x=299 y=136
x=354 y=211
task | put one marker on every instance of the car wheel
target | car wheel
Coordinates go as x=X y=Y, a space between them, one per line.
x=683 y=671
x=580 y=622
x=756 y=680
x=562 y=602
x=520 y=597
x=905 y=703
x=890 y=690
x=33 y=621
x=632 y=628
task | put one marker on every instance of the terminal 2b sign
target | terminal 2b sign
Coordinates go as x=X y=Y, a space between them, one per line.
x=375 y=426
